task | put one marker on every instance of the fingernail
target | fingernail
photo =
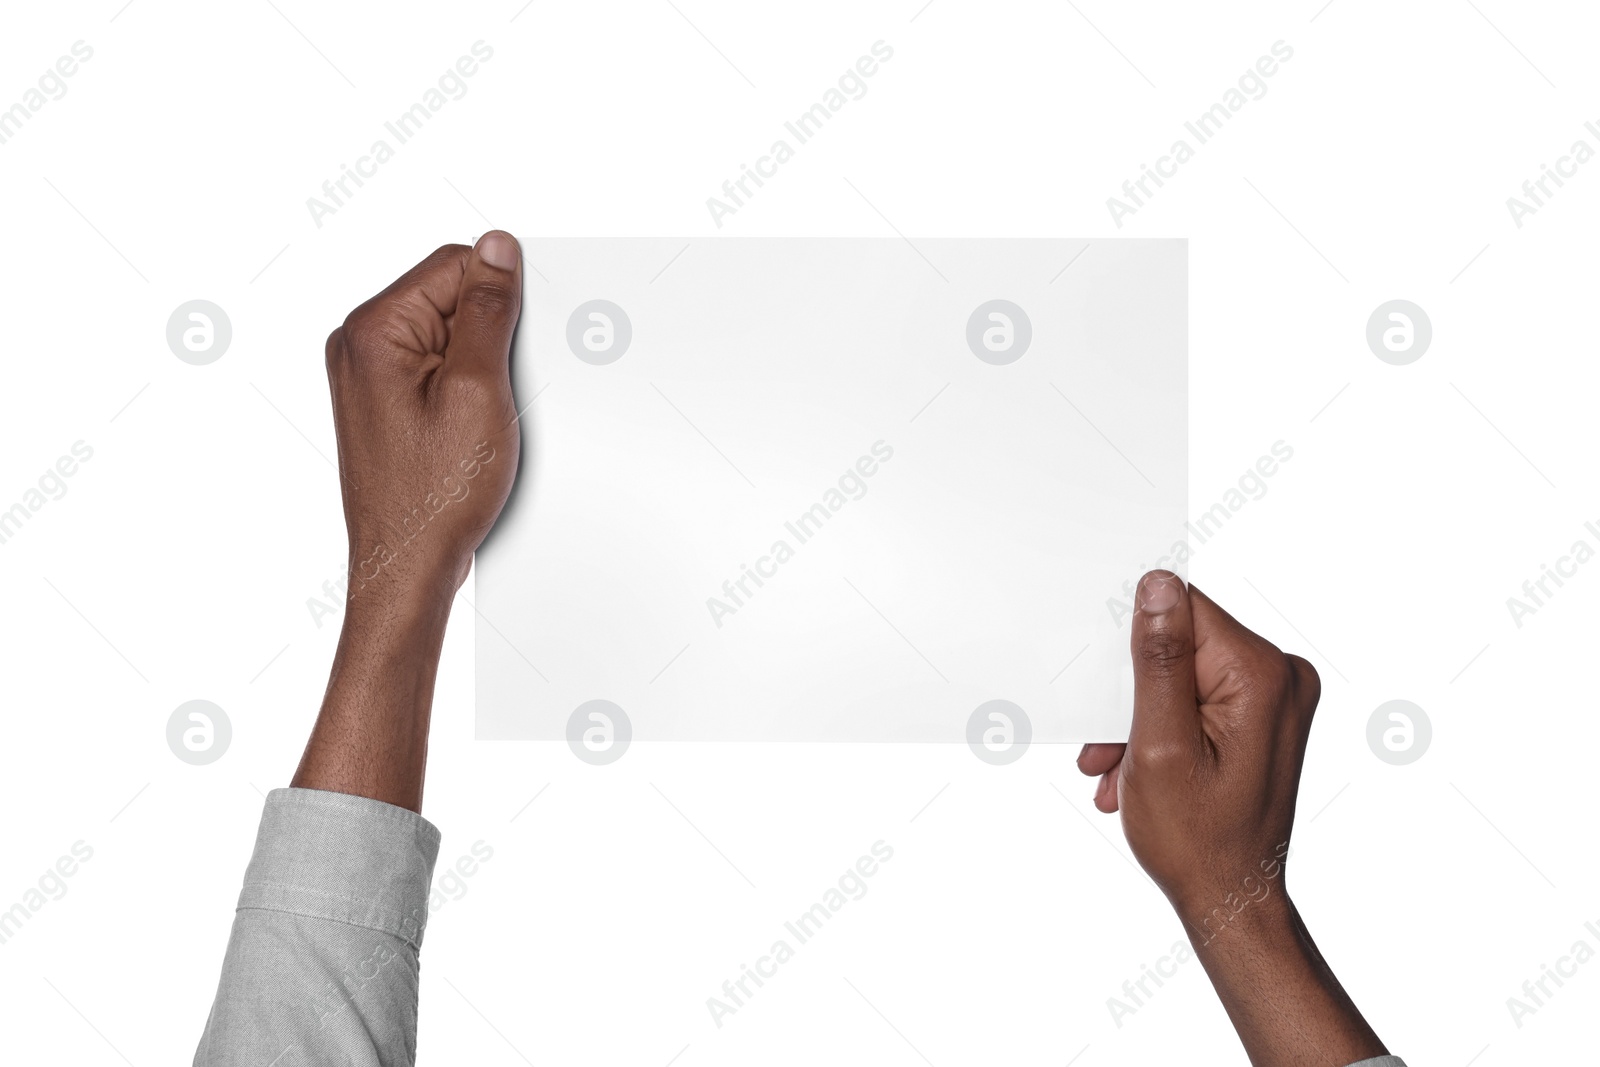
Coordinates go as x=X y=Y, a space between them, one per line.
x=1159 y=592
x=498 y=250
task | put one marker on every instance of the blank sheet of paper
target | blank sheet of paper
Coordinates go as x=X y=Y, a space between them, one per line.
x=835 y=489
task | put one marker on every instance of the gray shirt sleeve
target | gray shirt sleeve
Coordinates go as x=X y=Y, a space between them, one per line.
x=1381 y=1061
x=322 y=963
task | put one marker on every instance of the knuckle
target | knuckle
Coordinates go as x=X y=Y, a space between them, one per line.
x=334 y=350
x=1306 y=680
x=491 y=300
x=363 y=328
x=1269 y=679
x=469 y=390
x=1159 y=757
x=1162 y=651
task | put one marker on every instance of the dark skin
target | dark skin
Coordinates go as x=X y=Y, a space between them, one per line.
x=428 y=449
x=1206 y=786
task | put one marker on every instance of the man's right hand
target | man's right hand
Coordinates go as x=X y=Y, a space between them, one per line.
x=426 y=423
x=428 y=447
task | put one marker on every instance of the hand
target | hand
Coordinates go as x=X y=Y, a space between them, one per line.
x=428 y=449
x=1207 y=782
x=1206 y=786
x=426 y=424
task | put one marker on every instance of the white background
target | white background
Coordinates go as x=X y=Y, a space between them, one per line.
x=1420 y=497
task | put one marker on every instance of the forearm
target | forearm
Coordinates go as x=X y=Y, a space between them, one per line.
x=371 y=736
x=1283 y=999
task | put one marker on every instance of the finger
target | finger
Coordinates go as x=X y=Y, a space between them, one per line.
x=1098 y=758
x=410 y=312
x=436 y=281
x=1226 y=651
x=487 y=307
x=1165 y=712
x=1106 y=794
x=424 y=296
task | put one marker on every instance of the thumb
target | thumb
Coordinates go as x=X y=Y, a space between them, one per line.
x=488 y=305
x=1166 y=715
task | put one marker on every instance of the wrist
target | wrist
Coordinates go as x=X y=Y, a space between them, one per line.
x=397 y=628
x=1279 y=992
x=371 y=737
x=1250 y=928
x=403 y=590
x=1256 y=917
x=1240 y=891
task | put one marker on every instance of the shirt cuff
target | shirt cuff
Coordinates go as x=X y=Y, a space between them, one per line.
x=343 y=858
x=1381 y=1061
